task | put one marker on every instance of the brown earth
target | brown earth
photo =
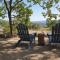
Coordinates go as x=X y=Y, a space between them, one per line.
x=8 y=52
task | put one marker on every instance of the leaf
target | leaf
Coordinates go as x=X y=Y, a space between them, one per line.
x=56 y=1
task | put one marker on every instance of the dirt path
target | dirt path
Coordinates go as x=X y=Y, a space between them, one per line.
x=7 y=52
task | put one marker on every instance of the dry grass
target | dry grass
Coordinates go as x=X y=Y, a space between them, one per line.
x=45 y=30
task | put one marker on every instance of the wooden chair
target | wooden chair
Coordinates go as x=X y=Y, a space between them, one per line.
x=24 y=34
x=55 y=36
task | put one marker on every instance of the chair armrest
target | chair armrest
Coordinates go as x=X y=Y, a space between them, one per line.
x=32 y=36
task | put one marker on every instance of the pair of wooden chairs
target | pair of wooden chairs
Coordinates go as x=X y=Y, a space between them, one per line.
x=24 y=35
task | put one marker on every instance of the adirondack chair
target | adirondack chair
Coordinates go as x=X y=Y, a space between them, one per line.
x=55 y=36
x=24 y=34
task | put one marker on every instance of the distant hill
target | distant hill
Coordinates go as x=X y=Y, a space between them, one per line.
x=41 y=23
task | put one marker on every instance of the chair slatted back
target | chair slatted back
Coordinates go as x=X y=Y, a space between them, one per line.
x=23 y=32
x=56 y=33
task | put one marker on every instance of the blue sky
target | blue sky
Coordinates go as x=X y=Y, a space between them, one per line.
x=36 y=16
x=37 y=10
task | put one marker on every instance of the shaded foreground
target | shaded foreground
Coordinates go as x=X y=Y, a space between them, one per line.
x=8 y=52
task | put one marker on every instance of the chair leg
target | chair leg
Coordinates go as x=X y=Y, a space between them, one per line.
x=30 y=45
x=17 y=44
x=34 y=41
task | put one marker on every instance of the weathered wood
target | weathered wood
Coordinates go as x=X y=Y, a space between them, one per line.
x=24 y=34
x=55 y=37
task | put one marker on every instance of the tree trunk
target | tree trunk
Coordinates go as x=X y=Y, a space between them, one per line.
x=9 y=8
x=10 y=22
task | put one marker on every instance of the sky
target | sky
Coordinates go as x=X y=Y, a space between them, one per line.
x=36 y=16
x=37 y=10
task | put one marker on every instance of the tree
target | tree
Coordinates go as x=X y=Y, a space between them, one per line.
x=46 y=5
x=22 y=16
x=7 y=8
x=50 y=18
x=23 y=12
x=10 y=6
x=5 y=25
x=17 y=6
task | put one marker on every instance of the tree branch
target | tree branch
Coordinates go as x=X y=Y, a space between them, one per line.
x=10 y=3
x=42 y=6
x=17 y=2
x=6 y=5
